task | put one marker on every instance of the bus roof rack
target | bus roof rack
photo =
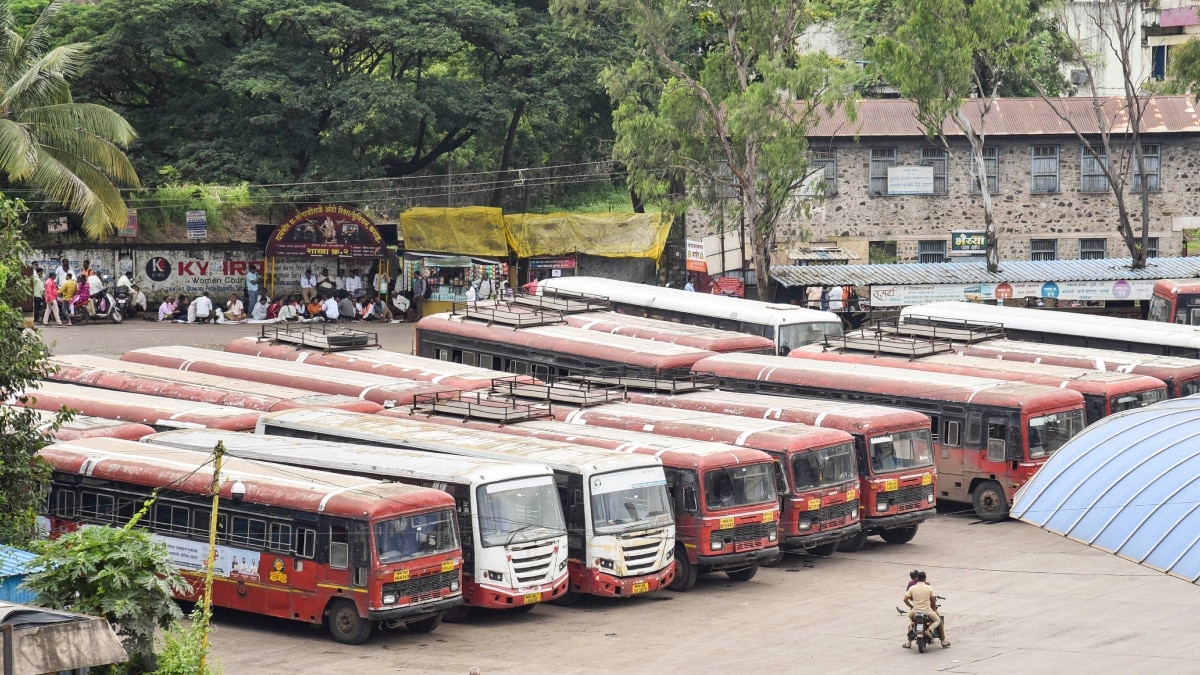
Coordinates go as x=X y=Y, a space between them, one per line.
x=963 y=331
x=572 y=304
x=478 y=405
x=328 y=337
x=672 y=381
x=580 y=393
x=878 y=342
x=505 y=313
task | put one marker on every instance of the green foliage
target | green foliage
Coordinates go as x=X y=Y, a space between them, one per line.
x=69 y=152
x=183 y=648
x=594 y=198
x=23 y=476
x=1185 y=69
x=119 y=573
x=169 y=204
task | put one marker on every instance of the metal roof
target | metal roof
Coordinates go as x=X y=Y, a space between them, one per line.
x=975 y=272
x=1129 y=485
x=13 y=561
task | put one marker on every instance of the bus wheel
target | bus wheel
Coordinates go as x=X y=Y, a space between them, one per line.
x=744 y=574
x=345 y=625
x=568 y=599
x=899 y=535
x=853 y=544
x=685 y=572
x=989 y=501
x=823 y=551
x=425 y=625
x=772 y=562
x=457 y=614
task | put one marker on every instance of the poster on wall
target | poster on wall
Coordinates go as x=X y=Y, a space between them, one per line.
x=910 y=180
x=197 y=224
x=129 y=229
x=968 y=242
x=1081 y=291
x=695 y=257
x=327 y=231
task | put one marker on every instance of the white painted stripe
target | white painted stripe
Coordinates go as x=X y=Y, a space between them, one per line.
x=647 y=428
x=741 y=439
x=820 y=418
x=438 y=379
x=302 y=357
x=778 y=412
x=331 y=495
x=981 y=389
x=576 y=417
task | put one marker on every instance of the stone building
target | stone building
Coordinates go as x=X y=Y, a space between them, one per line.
x=893 y=195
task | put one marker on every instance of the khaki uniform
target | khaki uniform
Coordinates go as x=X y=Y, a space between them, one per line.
x=921 y=596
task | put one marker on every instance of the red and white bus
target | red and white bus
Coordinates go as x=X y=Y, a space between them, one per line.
x=546 y=352
x=897 y=477
x=723 y=497
x=313 y=546
x=687 y=335
x=158 y=412
x=1104 y=394
x=380 y=362
x=105 y=373
x=994 y=434
x=1182 y=376
x=84 y=426
x=620 y=533
x=787 y=326
x=386 y=391
x=514 y=538
x=1176 y=301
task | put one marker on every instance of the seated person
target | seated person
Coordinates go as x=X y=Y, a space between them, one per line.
x=313 y=309
x=137 y=302
x=289 y=311
x=201 y=310
x=234 y=310
x=259 y=313
x=346 y=309
x=166 y=311
x=273 y=309
x=182 y=310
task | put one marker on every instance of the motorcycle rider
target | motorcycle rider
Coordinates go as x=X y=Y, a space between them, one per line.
x=920 y=597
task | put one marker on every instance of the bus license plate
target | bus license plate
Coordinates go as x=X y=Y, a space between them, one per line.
x=532 y=598
x=641 y=587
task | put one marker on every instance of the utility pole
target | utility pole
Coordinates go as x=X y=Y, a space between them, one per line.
x=206 y=612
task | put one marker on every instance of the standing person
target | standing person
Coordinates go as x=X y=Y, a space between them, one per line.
x=66 y=295
x=380 y=283
x=38 y=288
x=325 y=283
x=60 y=274
x=688 y=286
x=486 y=288
x=472 y=295
x=420 y=287
x=308 y=286
x=84 y=272
x=50 y=298
x=835 y=299
x=813 y=296
x=824 y=298
x=252 y=279
x=921 y=597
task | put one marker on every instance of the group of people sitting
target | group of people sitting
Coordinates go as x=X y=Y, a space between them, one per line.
x=338 y=306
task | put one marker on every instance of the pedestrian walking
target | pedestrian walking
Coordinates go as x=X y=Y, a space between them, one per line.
x=50 y=298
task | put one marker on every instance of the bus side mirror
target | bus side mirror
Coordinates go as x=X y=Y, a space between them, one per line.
x=690 y=504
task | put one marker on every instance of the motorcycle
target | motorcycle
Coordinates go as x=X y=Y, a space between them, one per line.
x=918 y=628
x=105 y=307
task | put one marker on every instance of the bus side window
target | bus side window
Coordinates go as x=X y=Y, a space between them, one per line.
x=279 y=537
x=672 y=487
x=306 y=542
x=468 y=358
x=781 y=483
x=443 y=355
x=860 y=449
x=953 y=433
x=64 y=503
x=339 y=546
x=935 y=426
x=689 y=502
x=518 y=367
x=997 y=436
x=541 y=372
x=974 y=428
x=485 y=361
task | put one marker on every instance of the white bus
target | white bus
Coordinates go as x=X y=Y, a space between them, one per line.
x=514 y=538
x=788 y=326
x=620 y=529
x=1065 y=328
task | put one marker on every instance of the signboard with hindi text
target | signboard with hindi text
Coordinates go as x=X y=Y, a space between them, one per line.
x=1081 y=291
x=327 y=230
x=910 y=180
x=968 y=242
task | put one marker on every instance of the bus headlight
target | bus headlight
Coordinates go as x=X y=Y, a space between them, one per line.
x=772 y=535
x=562 y=565
x=929 y=498
x=454 y=586
x=605 y=563
x=881 y=506
x=495 y=576
x=854 y=512
x=390 y=599
x=805 y=523
x=717 y=544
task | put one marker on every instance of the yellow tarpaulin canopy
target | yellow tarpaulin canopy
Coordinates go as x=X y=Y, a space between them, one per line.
x=473 y=230
x=612 y=235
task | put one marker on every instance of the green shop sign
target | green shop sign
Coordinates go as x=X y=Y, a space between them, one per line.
x=968 y=242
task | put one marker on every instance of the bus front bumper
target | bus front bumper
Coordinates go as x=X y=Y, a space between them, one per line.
x=877 y=524
x=606 y=585
x=743 y=559
x=807 y=541
x=478 y=595
x=415 y=612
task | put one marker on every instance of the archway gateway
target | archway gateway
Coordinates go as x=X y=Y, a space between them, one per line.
x=325 y=231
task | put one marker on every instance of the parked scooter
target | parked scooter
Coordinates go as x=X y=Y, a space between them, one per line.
x=105 y=306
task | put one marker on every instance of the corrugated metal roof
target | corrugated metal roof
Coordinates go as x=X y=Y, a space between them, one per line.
x=1128 y=485
x=13 y=561
x=1013 y=117
x=823 y=254
x=975 y=272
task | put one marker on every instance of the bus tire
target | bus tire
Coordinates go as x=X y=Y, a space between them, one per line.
x=744 y=574
x=853 y=544
x=568 y=599
x=457 y=615
x=772 y=562
x=345 y=625
x=685 y=572
x=991 y=506
x=427 y=625
x=899 y=535
x=824 y=550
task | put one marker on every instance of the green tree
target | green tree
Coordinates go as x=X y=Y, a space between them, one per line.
x=1185 y=68
x=731 y=116
x=70 y=152
x=119 y=573
x=23 y=364
x=952 y=58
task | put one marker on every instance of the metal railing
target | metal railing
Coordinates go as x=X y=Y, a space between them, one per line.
x=479 y=405
x=956 y=330
x=876 y=343
x=329 y=337
x=580 y=393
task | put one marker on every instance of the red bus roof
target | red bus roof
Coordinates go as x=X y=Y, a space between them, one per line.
x=749 y=432
x=1169 y=287
x=1087 y=382
x=265 y=483
x=687 y=335
x=378 y=388
x=1169 y=369
x=105 y=373
x=614 y=349
x=883 y=381
x=381 y=362
x=152 y=410
x=854 y=418
x=86 y=426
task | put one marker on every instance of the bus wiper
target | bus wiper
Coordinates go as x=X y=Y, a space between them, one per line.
x=519 y=530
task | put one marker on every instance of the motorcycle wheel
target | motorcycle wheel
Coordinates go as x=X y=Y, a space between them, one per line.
x=117 y=316
x=921 y=644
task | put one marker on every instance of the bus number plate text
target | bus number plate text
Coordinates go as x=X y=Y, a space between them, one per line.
x=769 y=517
x=641 y=587
x=533 y=598
x=927 y=479
x=891 y=485
x=401 y=575
x=727 y=523
x=448 y=566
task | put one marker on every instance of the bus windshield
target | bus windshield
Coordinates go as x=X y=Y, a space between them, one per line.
x=901 y=451
x=739 y=486
x=823 y=468
x=796 y=335
x=514 y=511
x=1048 y=433
x=411 y=537
x=1138 y=400
x=630 y=499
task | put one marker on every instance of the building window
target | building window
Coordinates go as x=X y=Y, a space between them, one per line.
x=931 y=251
x=1091 y=171
x=936 y=157
x=1043 y=249
x=882 y=159
x=991 y=162
x=826 y=162
x=1150 y=156
x=1093 y=249
x=1152 y=247
x=1045 y=168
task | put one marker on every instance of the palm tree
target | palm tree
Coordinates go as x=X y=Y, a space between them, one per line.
x=72 y=153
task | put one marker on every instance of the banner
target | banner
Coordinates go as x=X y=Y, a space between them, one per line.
x=900 y=296
x=327 y=230
x=130 y=227
x=197 y=224
x=695 y=257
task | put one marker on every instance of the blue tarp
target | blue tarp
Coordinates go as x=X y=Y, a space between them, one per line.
x=13 y=563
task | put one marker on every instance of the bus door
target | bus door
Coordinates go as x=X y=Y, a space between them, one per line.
x=685 y=495
x=336 y=544
x=302 y=574
x=953 y=461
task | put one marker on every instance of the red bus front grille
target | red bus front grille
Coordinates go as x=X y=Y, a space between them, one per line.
x=423 y=588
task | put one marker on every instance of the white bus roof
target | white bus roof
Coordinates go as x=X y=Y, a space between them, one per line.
x=587 y=337
x=1063 y=323
x=717 y=306
x=684 y=446
x=456 y=441
x=661 y=414
x=772 y=363
x=378 y=462
x=1103 y=360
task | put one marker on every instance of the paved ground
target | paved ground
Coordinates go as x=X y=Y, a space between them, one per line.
x=1019 y=600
